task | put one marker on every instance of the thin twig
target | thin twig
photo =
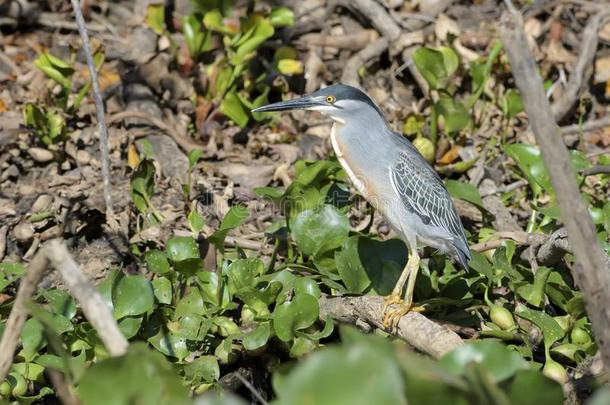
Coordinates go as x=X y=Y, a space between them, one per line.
x=185 y=143
x=597 y=169
x=590 y=270
x=251 y=388
x=584 y=66
x=587 y=126
x=99 y=109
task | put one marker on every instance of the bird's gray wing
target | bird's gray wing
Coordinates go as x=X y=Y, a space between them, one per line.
x=423 y=192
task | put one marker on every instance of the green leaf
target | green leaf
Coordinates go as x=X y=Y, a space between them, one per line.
x=464 y=191
x=194 y=157
x=455 y=114
x=170 y=344
x=32 y=338
x=549 y=327
x=194 y=38
x=232 y=107
x=330 y=375
x=320 y=229
x=156 y=262
x=141 y=376
x=60 y=302
x=501 y=362
x=133 y=295
x=204 y=368
x=242 y=273
x=258 y=337
x=258 y=34
x=155 y=18
x=236 y=216
x=183 y=252
x=300 y=313
x=281 y=17
x=530 y=387
x=129 y=326
x=56 y=69
x=534 y=293
x=436 y=65
x=529 y=160
x=363 y=262
x=304 y=285
x=511 y=103
x=162 y=289
x=196 y=221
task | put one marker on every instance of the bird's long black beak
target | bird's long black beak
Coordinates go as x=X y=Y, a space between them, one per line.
x=295 y=104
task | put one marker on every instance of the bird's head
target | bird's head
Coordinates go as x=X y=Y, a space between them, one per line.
x=340 y=102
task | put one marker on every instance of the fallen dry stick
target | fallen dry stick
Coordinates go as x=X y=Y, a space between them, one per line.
x=420 y=332
x=90 y=301
x=590 y=270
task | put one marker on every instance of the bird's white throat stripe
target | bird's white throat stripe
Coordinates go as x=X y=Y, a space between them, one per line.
x=350 y=173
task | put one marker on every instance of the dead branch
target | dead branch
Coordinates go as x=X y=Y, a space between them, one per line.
x=594 y=170
x=373 y=50
x=99 y=109
x=376 y=14
x=584 y=66
x=185 y=143
x=590 y=270
x=587 y=126
x=19 y=313
x=420 y=332
x=90 y=301
x=354 y=42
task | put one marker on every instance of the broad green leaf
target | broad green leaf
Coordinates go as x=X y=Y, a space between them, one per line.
x=464 y=191
x=32 y=338
x=183 y=252
x=281 y=17
x=196 y=221
x=55 y=68
x=258 y=34
x=155 y=17
x=133 y=295
x=129 y=326
x=203 y=368
x=162 y=289
x=436 y=65
x=511 y=103
x=141 y=376
x=258 y=337
x=304 y=285
x=232 y=107
x=170 y=344
x=549 y=327
x=156 y=262
x=194 y=157
x=194 y=38
x=530 y=387
x=501 y=362
x=236 y=216
x=534 y=293
x=300 y=313
x=329 y=376
x=290 y=67
x=320 y=229
x=454 y=113
x=529 y=160
x=60 y=302
x=242 y=273
x=191 y=326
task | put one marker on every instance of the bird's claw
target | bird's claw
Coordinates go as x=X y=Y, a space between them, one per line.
x=391 y=316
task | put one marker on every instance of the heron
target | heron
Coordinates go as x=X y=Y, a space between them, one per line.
x=391 y=174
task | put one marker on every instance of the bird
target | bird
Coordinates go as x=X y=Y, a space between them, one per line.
x=391 y=174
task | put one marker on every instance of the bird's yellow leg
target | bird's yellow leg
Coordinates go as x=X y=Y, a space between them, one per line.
x=409 y=274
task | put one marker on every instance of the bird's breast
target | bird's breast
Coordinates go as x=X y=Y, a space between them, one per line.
x=344 y=157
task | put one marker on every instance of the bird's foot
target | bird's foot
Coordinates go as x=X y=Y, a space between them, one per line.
x=391 y=316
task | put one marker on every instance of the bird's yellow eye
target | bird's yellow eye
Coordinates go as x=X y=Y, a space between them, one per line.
x=330 y=99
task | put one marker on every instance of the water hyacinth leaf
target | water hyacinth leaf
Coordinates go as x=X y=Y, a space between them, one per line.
x=170 y=344
x=156 y=262
x=500 y=361
x=132 y=295
x=304 y=285
x=232 y=107
x=300 y=313
x=140 y=376
x=435 y=65
x=320 y=229
x=531 y=387
x=60 y=302
x=243 y=272
x=196 y=221
x=281 y=17
x=258 y=34
x=130 y=325
x=236 y=216
x=549 y=327
x=454 y=113
x=155 y=18
x=330 y=375
x=32 y=338
x=183 y=251
x=511 y=103
x=529 y=160
x=55 y=68
x=290 y=67
x=162 y=289
x=464 y=191
x=534 y=293
x=258 y=337
x=194 y=37
x=203 y=368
